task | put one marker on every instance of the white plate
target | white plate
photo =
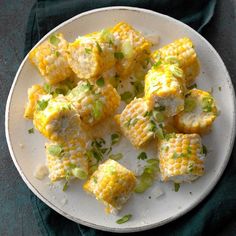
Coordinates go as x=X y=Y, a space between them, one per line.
x=147 y=213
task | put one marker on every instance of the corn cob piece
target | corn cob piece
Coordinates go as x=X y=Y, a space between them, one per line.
x=135 y=123
x=131 y=48
x=199 y=113
x=165 y=88
x=181 y=51
x=56 y=118
x=34 y=94
x=112 y=184
x=94 y=103
x=181 y=158
x=89 y=56
x=67 y=160
x=50 y=59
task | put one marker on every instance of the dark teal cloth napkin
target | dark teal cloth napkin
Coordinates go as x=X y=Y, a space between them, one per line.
x=216 y=215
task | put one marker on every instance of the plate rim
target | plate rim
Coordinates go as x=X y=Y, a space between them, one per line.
x=89 y=224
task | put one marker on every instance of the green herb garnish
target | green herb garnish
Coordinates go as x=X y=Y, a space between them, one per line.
x=54 y=40
x=97 y=109
x=176 y=186
x=116 y=157
x=98 y=47
x=79 y=173
x=118 y=55
x=126 y=96
x=65 y=187
x=158 y=116
x=47 y=88
x=55 y=150
x=115 y=138
x=219 y=88
x=88 y=50
x=42 y=104
x=100 y=82
x=31 y=131
x=124 y=219
x=142 y=156
x=176 y=71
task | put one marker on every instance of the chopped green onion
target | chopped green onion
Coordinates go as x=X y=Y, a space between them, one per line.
x=31 y=131
x=116 y=157
x=79 y=173
x=88 y=50
x=47 y=88
x=158 y=116
x=153 y=161
x=54 y=40
x=57 y=54
x=65 y=187
x=176 y=71
x=156 y=64
x=127 y=49
x=55 y=150
x=126 y=96
x=97 y=109
x=98 y=47
x=172 y=60
x=207 y=103
x=159 y=133
x=115 y=138
x=118 y=55
x=189 y=104
x=219 y=88
x=42 y=104
x=124 y=219
x=107 y=36
x=176 y=186
x=142 y=156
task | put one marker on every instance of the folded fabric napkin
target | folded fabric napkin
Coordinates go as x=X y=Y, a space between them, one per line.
x=218 y=210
